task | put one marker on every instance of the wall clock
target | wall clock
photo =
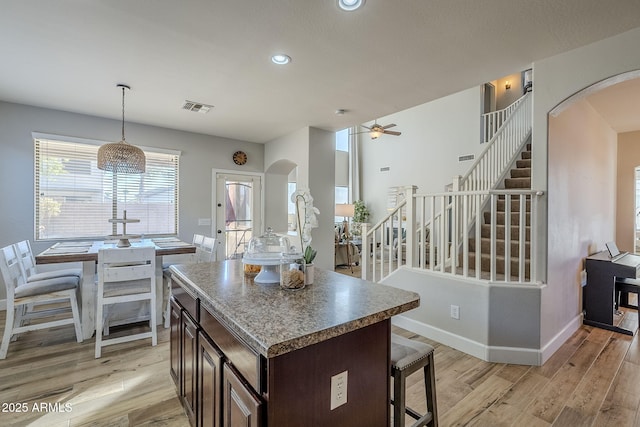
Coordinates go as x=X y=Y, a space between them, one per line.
x=240 y=158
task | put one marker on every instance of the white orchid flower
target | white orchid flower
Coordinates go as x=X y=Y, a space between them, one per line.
x=306 y=215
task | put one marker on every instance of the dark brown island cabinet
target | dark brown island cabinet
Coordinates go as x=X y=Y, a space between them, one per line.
x=247 y=354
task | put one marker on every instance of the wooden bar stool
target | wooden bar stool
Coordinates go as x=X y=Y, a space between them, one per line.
x=407 y=356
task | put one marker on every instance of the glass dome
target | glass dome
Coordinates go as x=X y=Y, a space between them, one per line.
x=268 y=247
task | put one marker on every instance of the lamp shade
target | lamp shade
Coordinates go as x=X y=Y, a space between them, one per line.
x=121 y=157
x=345 y=209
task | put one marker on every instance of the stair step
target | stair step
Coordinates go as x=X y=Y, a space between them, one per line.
x=526 y=155
x=485 y=247
x=517 y=183
x=500 y=218
x=521 y=173
x=485 y=231
x=515 y=204
x=485 y=263
x=523 y=163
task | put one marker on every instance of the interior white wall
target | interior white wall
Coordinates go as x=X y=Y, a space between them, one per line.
x=628 y=160
x=200 y=154
x=342 y=168
x=556 y=79
x=437 y=294
x=322 y=151
x=313 y=151
x=293 y=147
x=504 y=96
x=275 y=216
x=426 y=154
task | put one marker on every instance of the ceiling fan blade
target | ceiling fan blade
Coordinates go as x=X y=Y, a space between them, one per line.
x=388 y=126
x=366 y=127
x=392 y=132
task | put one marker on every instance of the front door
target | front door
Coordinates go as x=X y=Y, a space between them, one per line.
x=238 y=212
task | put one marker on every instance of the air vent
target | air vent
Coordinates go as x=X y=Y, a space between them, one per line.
x=196 y=107
x=466 y=157
x=384 y=169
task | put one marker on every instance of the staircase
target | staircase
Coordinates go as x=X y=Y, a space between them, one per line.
x=519 y=179
x=485 y=228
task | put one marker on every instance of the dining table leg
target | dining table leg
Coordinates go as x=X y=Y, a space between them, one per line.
x=88 y=295
x=161 y=292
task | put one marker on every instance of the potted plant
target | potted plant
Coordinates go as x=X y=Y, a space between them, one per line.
x=361 y=214
x=306 y=220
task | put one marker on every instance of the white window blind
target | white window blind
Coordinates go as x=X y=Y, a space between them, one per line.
x=74 y=199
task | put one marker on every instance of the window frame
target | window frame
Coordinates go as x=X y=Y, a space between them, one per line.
x=172 y=160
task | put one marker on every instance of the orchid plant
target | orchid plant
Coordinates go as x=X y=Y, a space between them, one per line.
x=306 y=220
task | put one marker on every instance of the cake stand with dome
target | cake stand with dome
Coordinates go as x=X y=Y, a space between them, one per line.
x=266 y=251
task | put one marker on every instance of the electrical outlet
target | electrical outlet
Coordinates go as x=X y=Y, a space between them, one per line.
x=455 y=312
x=338 y=390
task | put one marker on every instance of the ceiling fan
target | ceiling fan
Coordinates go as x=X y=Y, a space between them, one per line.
x=376 y=130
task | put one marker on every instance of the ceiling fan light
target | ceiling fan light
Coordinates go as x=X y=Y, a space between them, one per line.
x=350 y=5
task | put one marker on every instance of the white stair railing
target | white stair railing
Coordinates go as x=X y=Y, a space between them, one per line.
x=378 y=254
x=493 y=163
x=500 y=252
x=431 y=231
x=493 y=121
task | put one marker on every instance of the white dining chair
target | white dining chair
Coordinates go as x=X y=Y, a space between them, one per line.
x=197 y=240
x=206 y=252
x=28 y=261
x=125 y=275
x=21 y=294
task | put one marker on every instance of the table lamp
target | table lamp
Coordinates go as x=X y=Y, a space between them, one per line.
x=345 y=210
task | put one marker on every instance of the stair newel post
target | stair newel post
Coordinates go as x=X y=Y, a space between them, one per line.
x=364 y=251
x=410 y=225
x=456 y=183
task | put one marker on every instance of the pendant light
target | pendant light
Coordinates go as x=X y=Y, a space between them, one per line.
x=121 y=157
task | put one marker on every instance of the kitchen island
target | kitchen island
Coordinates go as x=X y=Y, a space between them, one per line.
x=252 y=354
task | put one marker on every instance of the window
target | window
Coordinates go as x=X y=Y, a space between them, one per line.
x=342 y=170
x=342 y=140
x=74 y=199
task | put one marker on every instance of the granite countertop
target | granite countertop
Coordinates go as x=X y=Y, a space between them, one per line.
x=274 y=321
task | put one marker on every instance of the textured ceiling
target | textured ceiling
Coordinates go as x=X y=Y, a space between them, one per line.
x=384 y=58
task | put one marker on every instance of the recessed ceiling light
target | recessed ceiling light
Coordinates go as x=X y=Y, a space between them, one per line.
x=280 y=59
x=350 y=5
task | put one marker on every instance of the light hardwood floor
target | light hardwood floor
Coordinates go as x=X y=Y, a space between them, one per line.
x=592 y=380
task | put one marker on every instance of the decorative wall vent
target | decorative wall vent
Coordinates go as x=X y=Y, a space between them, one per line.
x=466 y=157
x=384 y=169
x=196 y=107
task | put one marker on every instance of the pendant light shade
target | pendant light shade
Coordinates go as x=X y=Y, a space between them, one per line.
x=121 y=157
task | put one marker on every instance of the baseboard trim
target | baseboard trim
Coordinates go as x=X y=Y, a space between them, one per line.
x=513 y=355
x=560 y=338
x=463 y=344
x=494 y=354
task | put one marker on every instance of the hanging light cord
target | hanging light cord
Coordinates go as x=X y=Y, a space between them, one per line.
x=123 y=140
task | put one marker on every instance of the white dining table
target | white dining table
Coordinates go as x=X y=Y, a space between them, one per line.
x=86 y=252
